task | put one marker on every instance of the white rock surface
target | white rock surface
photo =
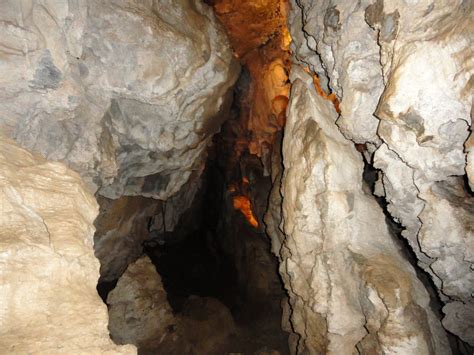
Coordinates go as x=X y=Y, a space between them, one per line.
x=350 y=288
x=125 y=92
x=48 y=272
x=409 y=67
x=348 y=56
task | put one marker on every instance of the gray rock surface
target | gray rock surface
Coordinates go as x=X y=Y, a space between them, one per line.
x=139 y=312
x=403 y=73
x=124 y=224
x=125 y=92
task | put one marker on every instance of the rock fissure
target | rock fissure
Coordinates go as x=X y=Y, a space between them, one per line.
x=168 y=148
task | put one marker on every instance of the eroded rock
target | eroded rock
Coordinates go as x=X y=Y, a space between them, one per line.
x=138 y=309
x=404 y=78
x=126 y=93
x=349 y=286
x=140 y=314
x=122 y=227
x=48 y=272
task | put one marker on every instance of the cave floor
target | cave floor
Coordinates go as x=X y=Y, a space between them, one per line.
x=189 y=269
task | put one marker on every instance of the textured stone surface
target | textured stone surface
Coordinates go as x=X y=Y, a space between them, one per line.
x=140 y=314
x=259 y=36
x=349 y=286
x=121 y=230
x=347 y=54
x=469 y=147
x=48 y=272
x=138 y=309
x=125 y=92
x=404 y=78
x=206 y=325
x=124 y=224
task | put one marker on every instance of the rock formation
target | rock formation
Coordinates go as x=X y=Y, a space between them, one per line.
x=349 y=286
x=126 y=93
x=138 y=309
x=403 y=76
x=370 y=188
x=48 y=272
x=140 y=314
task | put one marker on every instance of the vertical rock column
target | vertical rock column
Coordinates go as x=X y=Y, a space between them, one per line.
x=349 y=286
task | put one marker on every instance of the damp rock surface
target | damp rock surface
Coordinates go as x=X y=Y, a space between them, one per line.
x=126 y=93
x=48 y=272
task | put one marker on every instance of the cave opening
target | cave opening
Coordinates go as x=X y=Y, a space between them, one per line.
x=206 y=247
x=216 y=251
x=214 y=256
x=236 y=177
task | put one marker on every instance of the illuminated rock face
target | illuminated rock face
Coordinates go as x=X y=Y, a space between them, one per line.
x=403 y=77
x=48 y=272
x=260 y=39
x=124 y=92
x=350 y=288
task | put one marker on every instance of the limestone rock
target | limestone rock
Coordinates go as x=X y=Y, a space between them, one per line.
x=469 y=146
x=138 y=308
x=349 y=286
x=121 y=231
x=336 y=43
x=140 y=314
x=125 y=92
x=48 y=272
x=124 y=224
x=408 y=67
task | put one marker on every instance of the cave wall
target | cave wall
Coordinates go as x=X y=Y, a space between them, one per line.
x=48 y=272
x=128 y=94
x=349 y=286
x=404 y=81
x=125 y=92
x=141 y=315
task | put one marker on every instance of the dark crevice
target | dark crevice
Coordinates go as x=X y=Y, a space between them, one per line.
x=222 y=255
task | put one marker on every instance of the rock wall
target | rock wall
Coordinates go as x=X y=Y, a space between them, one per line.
x=259 y=37
x=350 y=288
x=127 y=93
x=122 y=227
x=48 y=272
x=403 y=73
